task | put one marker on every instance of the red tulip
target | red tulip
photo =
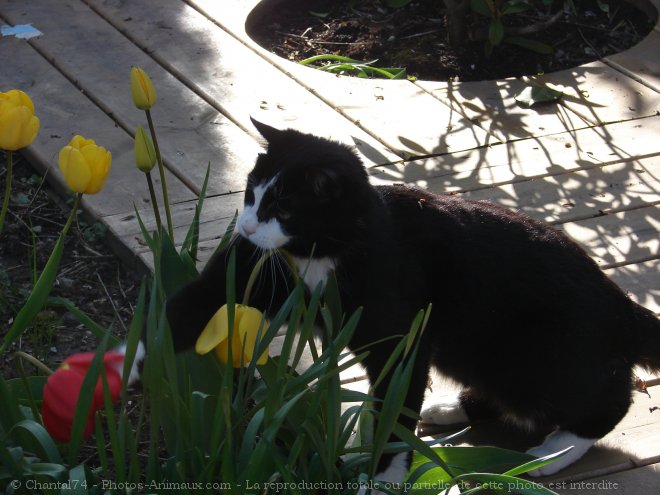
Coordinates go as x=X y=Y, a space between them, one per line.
x=62 y=390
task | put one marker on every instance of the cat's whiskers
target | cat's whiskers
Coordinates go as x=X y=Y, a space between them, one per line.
x=278 y=260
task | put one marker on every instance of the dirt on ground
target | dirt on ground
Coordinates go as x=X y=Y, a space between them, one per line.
x=90 y=275
x=415 y=36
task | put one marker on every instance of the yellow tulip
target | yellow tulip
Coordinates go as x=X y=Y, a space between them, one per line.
x=145 y=154
x=247 y=322
x=18 y=125
x=85 y=165
x=142 y=89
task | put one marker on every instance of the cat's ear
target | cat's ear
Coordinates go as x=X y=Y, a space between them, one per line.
x=269 y=133
x=325 y=183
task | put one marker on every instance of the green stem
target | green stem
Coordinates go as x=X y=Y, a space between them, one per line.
x=5 y=202
x=72 y=215
x=161 y=170
x=253 y=276
x=26 y=383
x=154 y=202
x=33 y=361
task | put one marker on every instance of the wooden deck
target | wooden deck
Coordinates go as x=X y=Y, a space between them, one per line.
x=590 y=165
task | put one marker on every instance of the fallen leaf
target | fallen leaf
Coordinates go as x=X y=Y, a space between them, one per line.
x=533 y=95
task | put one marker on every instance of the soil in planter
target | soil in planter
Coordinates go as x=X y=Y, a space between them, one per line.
x=90 y=275
x=415 y=36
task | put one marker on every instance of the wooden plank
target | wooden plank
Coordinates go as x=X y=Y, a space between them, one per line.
x=398 y=113
x=599 y=93
x=580 y=194
x=492 y=106
x=64 y=111
x=216 y=215
x=530 y=158
x=192 y=133
x=620 y=238
x=239 y=94
x=641 y=281
x=403 y=115
x=644 y=480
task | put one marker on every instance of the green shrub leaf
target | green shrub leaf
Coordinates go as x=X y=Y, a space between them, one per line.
x=533 y=95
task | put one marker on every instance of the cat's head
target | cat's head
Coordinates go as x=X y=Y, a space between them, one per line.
x=304 y=191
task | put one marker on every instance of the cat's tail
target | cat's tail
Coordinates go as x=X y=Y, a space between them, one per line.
x=648 y=327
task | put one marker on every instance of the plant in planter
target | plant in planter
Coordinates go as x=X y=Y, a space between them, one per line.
x=440 y=40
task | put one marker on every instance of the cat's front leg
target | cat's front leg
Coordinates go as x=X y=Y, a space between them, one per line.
x=134 y=373
x=392 y=468
x=393 y=474
x=447 y=411
x=193 y=306
x=556 y=442
x=458 y=410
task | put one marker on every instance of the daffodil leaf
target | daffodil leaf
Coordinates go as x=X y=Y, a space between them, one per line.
x=192 y=237
x=173 y=270
x=10 y=414
x=85 y=400
x=40 y=441
x=49 y=470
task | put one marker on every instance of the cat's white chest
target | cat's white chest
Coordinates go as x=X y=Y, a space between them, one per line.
x=314 y=271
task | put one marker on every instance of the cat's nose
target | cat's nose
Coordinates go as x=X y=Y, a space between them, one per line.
x=247 y=229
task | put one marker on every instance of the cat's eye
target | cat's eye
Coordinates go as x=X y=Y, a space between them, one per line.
x=283 y=214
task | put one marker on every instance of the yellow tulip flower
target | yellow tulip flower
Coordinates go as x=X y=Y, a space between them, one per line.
x=18 y=125
x=142 y=89
x=145 y=154
x=247 y=322
x=85 y=165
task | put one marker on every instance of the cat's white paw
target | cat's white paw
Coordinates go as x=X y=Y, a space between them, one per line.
x=392 y=476
x=556 y=442
x=447 y=411
x=139 y=356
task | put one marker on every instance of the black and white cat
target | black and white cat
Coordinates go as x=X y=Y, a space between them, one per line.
x=522 y=317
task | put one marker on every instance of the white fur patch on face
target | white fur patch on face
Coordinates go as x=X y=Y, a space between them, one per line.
x=269 y=235
x=445 y=411
x=314 y=271
x=266 y=235
x=556 y=442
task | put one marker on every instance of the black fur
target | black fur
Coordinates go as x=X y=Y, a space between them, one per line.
x=521 y=314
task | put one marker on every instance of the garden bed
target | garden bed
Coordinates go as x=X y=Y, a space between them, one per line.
x=91 y=275
x=414 y=37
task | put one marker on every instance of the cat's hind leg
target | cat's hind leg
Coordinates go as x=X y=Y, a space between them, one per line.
x=581 y=435
x=556 y=442
x=461 y=409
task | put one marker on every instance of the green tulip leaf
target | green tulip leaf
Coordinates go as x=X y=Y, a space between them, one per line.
x=39 y=440
x=38 y=296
